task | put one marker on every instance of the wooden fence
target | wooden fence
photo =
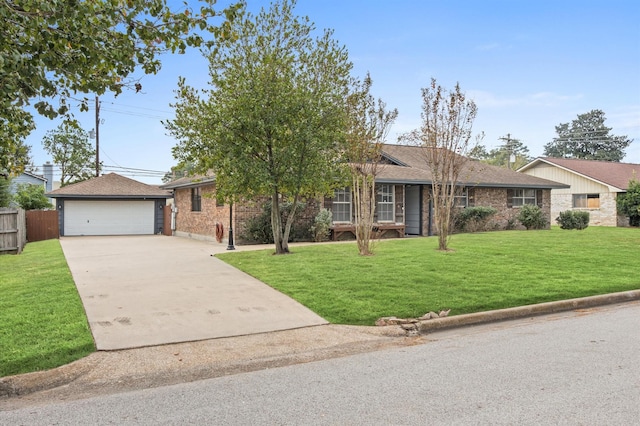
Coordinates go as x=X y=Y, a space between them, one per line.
x=13 y=230
x=166 y=222
x=42 y=225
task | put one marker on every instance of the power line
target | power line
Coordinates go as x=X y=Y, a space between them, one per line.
x=135 y=114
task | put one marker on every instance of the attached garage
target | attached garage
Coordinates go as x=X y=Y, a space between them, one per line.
x=110 y=205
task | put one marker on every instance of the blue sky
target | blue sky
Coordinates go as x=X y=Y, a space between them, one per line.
x=528 y=65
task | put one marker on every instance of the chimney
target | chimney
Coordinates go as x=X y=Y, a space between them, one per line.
x=47 y=171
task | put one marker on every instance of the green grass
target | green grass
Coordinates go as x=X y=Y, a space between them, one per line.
x=42 y=321
x=408 y=277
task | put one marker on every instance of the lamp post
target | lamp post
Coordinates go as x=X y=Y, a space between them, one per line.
x=230 y=246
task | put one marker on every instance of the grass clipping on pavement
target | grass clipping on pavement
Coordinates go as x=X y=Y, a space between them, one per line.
x=43 y=323
x=409 y=277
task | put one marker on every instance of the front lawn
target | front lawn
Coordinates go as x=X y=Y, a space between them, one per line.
x=408 y=277
x=42 y=321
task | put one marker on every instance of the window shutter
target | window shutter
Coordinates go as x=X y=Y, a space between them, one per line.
x=539 y=197
x=328 y=202
x=510 y=193
x=471 y=197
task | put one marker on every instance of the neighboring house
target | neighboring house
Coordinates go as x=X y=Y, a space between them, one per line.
x=34 y=179
x=593 y=186
x=403 y=205
x=28 y=178
x=110 y=205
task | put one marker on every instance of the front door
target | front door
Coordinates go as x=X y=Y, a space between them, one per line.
x=412 y=210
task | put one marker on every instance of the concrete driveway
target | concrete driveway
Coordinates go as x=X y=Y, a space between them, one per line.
x=152 y=290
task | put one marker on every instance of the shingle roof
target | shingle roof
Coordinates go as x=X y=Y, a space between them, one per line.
x=607 y=172
x=33 y=175
x=188 y=181
x=413 y=168
x=110 y=185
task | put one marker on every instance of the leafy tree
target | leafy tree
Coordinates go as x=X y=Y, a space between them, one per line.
x=178 y=171
x=273 y=121
x=71 y=150
x=31 y=197
x=53 y=49
x=629 y=203
x=15 y=156
x=5 y=194
x=587 y=138
x=445 y=135
x=368 y=126
x=502 y=155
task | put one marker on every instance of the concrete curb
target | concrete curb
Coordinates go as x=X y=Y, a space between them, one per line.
x=20 y=385
x=427 y=326
x=27 y=383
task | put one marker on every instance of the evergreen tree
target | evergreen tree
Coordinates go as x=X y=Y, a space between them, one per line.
x=587 y=138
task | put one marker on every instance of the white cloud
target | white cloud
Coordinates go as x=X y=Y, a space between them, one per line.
x=490 y=100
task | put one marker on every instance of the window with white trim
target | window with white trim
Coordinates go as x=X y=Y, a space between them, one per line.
x=461 y=199
x=522 y=197
x=586 y=201
x=341 y=210
x=385 y=203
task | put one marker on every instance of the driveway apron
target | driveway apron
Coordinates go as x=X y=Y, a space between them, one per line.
x=152 y=290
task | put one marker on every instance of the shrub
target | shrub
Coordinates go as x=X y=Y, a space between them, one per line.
x=531 y=217
x=573 y=219
x=629 y=202
x=5 y=194
x=258 y=229
x=31 y=197
x=321 y=227
x=473 y=219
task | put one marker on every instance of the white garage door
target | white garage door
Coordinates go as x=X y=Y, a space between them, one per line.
x=108 y=217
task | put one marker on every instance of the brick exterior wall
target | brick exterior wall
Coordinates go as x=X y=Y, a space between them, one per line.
x=426 y=197
x=200 y=224
x=247 y=210
x=505 y=217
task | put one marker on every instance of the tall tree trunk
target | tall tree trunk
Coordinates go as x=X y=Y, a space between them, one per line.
x=290 y=218
x=364 y=202
x=282 y=246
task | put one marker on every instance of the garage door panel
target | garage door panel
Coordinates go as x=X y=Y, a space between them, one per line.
x=109 y=217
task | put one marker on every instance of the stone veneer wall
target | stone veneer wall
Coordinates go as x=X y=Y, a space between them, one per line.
x=606 y=215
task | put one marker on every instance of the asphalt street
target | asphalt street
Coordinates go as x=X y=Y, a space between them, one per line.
x=578 y=367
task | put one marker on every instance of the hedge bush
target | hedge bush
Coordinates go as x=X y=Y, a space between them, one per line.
x=474 y=219
x=258 y=229
x=570 y=219
x=531 y=217
x=321 y=228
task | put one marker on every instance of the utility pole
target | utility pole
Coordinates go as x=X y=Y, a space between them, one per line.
x=508 y=140
x=97 y=136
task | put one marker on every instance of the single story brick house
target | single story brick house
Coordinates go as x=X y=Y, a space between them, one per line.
x=110 y=205
x=403 y=205
x=590 y=185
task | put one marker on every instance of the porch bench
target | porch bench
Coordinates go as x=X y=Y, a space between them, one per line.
x=379 y=229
